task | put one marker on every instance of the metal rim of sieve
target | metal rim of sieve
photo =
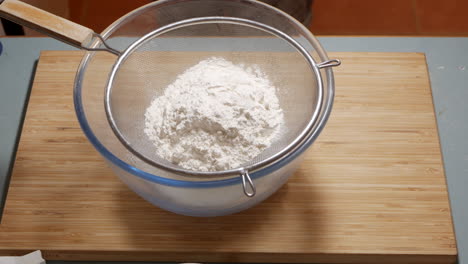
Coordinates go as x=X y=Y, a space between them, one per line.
x=242 y=171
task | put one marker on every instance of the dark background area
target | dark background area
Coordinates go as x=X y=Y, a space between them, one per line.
x=323 y=17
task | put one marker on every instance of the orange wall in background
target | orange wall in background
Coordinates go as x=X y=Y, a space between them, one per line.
x=98 y=14
x=329 y=17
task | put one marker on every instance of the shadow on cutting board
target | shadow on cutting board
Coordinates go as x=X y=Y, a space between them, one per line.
x=290 y=220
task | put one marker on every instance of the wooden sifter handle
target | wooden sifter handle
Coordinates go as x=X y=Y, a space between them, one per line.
x=45 y=22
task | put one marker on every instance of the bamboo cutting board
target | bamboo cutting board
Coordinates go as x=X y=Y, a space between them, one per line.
x=371 y=189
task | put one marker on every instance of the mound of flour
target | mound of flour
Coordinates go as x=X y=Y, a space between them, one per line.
x=215 y=116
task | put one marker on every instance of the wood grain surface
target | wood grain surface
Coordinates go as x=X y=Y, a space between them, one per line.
x=370 y=190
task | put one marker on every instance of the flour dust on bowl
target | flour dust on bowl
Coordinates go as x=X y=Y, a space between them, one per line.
x=271 y=60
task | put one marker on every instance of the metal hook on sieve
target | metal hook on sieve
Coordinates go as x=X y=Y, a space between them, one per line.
x=329 y=63
x=107 y=47
x=247 y=180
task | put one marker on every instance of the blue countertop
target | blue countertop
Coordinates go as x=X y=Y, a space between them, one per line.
x=447 y=60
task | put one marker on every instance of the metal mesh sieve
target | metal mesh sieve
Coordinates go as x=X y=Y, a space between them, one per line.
x=143 y=71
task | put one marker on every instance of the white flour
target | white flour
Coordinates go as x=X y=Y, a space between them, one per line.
x=214 y=116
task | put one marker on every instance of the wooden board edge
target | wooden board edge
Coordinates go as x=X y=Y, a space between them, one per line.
x=18 y=141
x=81 y=255
x=434 y=113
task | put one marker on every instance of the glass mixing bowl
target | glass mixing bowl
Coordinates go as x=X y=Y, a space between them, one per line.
x=215 y=195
